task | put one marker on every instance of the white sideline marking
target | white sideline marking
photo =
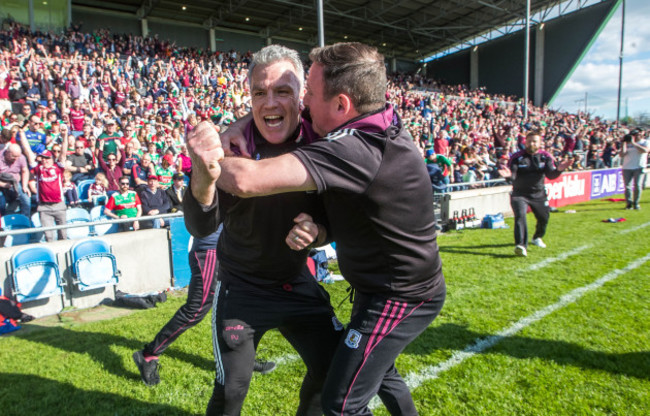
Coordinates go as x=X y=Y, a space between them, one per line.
x=638 y=227
x=414 y=380
x=575 y=251
x=562 y=256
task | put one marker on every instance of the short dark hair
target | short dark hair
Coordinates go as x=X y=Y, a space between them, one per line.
x=356 y=70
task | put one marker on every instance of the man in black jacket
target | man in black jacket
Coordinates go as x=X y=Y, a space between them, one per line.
x=176 y=192
x=378 y=199
x=263 y=283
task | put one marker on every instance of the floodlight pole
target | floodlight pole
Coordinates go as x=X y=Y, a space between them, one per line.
x=620 y=66
x=321 y=26
x=526 y=59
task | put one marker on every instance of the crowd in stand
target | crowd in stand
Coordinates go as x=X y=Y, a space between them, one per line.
x=115 y=109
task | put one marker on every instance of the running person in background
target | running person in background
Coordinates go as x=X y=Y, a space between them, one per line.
x=204 y=266
x=263 y=283
x=378 y=199
x=527 y=170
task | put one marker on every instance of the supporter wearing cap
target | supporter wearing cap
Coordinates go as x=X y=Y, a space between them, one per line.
x=165 y=171
x=109 y=140
x=176 y=192
x=49 y=184
x=154 y=201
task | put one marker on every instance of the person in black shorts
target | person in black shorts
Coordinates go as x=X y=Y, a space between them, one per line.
x=527 y=169
x=379 y=204
x=264 y=284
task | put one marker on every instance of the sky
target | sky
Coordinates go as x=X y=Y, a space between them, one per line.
x=597 y=73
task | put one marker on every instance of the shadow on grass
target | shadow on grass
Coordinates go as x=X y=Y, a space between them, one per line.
x=456 y=337
x=33 y=395
x=478 y=250
x=97 y=345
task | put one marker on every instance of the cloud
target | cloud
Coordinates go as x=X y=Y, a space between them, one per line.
x=597 y=74
x=637 y=31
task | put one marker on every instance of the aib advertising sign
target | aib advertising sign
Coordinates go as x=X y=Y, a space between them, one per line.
x=606 y=182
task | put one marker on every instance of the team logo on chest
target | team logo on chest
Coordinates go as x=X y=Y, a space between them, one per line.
x=353 y=339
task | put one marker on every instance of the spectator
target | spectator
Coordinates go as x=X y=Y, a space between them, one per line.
x=49 y=180
x=635 y=150
x=112 y=169
x=109 y=140
x=14 y=178
x=124 y=204
x=97 y=190
x=154 y=201
x=80 y=163
x=176 y=192
x=165 y=171
x=70 y=190
x=35 y=137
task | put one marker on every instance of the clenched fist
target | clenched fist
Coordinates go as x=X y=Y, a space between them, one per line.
x=205 y=149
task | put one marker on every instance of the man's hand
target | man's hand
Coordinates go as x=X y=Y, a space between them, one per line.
x=204 y=146
x=563 y=165
x=505 y=172
x=136 y=225
x=303 y=233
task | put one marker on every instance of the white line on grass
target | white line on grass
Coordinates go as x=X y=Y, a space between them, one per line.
x=638 y=227
x=414 y=380
x=575 y=251
x=550 y=260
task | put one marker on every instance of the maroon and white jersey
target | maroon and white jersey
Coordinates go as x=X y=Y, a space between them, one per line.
x=77 y=119
x=49 y=183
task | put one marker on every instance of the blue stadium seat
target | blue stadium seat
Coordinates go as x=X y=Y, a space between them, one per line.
x=97 y=214
x=76 y=215
x=38 y=237
x=16 y=222
x=82 y=190
x=93 y=264
x=35 y=274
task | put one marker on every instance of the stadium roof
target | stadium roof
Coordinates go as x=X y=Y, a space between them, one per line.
x=404 y=29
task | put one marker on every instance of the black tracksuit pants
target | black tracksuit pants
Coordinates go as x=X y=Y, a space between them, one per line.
x=243 y=312
x=200 y=293
x=540 y=209
x=364 y=363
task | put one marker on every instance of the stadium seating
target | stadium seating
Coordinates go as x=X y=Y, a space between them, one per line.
x=82 y=190
x=93 y=264
x=97 y=214
x=35 y=274
x=16 y=222
x=76 y=215
x=38 y=237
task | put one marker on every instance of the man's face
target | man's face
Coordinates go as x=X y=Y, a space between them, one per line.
x=34 y=123
x=146 y=160
x=27 y=110
x=320 y=109
x=276 y=100
x=124 y=185
x=152 y=183
x=533 y=144
x=79 y=148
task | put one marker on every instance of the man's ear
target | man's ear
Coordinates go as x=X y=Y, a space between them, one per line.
x=345 y=107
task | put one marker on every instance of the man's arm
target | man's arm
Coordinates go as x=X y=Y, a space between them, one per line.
x=248 y=178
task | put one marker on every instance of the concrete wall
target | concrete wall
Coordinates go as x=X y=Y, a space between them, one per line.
x=143 y=258
x=484 y=201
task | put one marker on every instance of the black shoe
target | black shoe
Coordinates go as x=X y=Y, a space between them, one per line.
x=26 y=318
x=148 y=370
x=263 y=367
